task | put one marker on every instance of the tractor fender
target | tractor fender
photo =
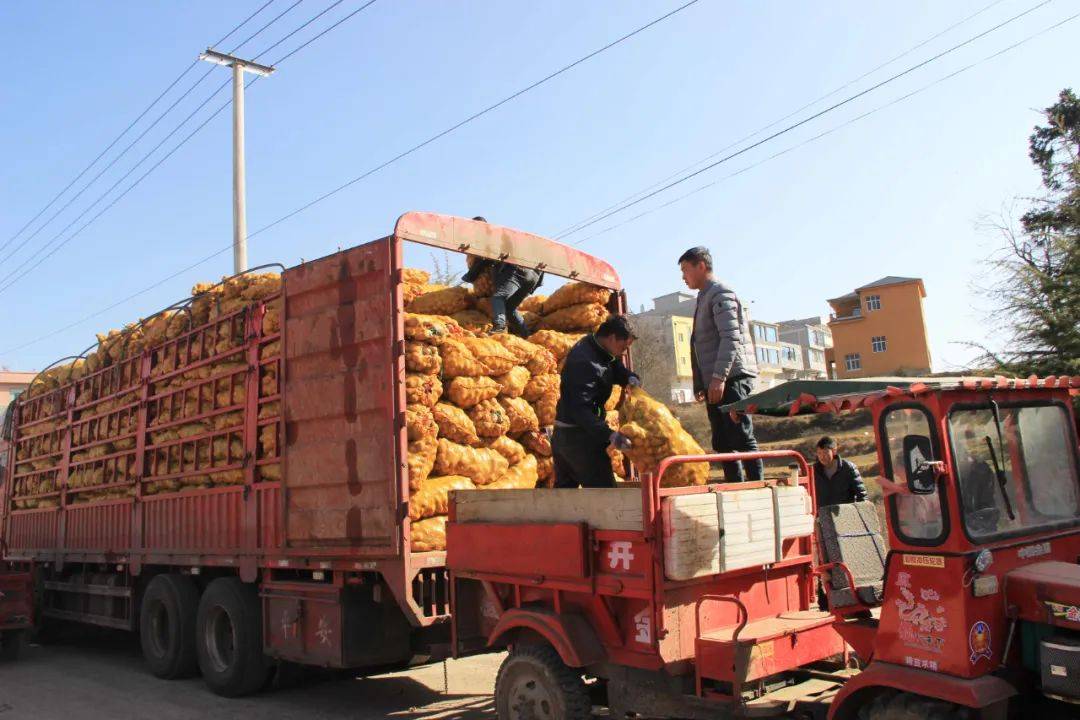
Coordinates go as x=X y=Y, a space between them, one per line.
x=977 y=693
x=569 y=633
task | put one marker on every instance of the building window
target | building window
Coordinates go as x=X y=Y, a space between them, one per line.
x=853 y=361
x=817 y=338
x=770 y=334
x=873 y=302
x=789 y=354
x=817 y=357
x=878 y=343
x=765 y=333
x=773 y=355
x=760 y=352
x=759 y=332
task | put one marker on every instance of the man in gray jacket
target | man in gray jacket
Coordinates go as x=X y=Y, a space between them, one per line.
x=722 y=356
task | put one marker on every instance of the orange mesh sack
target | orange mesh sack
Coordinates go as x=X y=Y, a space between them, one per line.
x=520 y=348
x=446 y=301
x=411 y=291
x=576 y=318
x=433 y=497
x=466 y=392
x=613 y=401
x=575 y=293
x=421 y=460
x=484 y=285
x=415 y=277
x=532 y=320
x=509 y=449
x=522 y=416
x=559 y=343
x=513 y=383
x=545 y=409
x=490 y=419
x=458 y=360
x=480 y=465
x=521 y=476
x=492 y=355
x=454 y=424
x=540 y=386
x=428 y=534
x=422 y=358
x=430 y=328
x=618 y=462
x=419 y=422
x=473 y=320
x=655 y=434
x=533 y=304
x=542 y=362
x=422 y=389
x=538 y=443
x=545 y=471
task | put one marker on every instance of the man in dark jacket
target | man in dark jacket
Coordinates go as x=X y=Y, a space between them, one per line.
x=722 y=360
x=836 y=480
x=512 y=284
x=581 y=438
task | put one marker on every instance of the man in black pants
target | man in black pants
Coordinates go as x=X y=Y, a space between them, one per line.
x=582 y=435
x=722 y=360
x=512 y=285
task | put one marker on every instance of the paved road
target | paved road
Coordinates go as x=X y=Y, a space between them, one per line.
x=104 y=678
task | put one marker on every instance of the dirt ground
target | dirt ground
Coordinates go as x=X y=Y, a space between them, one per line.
x=105 y=678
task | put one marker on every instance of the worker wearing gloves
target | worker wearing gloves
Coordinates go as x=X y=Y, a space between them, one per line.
x=512 y=284
x=722 y=360
x=593 y=366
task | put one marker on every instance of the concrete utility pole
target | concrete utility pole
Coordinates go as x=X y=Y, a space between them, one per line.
x=239 y=67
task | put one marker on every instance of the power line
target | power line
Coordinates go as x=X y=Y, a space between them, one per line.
x=14 y=276
x=127 y=129
x=572 y=228
x=830 y=131
x=800 y=123
x=400 y=156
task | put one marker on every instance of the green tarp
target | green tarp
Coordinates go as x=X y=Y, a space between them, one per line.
x=779 y=400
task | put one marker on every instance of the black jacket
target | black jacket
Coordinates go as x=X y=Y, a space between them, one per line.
x=524 y=276
x=588 y=375
x=845 y=486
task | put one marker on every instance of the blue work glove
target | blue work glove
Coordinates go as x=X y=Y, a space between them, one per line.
x=620 y=441
x=635 y=381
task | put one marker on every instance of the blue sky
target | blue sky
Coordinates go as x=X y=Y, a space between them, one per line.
x=900 y=192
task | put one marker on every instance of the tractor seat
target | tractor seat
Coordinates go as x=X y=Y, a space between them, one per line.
x=850 y=534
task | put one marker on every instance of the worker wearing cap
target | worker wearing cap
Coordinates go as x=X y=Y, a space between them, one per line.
x=582 y=436
x=512 y=284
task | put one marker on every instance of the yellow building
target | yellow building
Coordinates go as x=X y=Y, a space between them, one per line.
x=880 y=330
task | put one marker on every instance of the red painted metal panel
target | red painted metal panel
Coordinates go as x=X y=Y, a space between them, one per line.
x=535 y=550
x=98 y=526
x=33 y=529
x=186 y=522
x=341 y=468
x=270 y=530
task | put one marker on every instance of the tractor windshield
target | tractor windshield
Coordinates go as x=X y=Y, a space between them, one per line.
x=1016 y=469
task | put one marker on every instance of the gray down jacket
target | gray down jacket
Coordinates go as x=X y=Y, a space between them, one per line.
x=721 y=345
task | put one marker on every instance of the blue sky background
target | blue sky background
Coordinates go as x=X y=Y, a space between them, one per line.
x=898 y=193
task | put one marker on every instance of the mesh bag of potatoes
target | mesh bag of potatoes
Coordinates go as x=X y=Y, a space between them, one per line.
x=575 y=293
x=444 y=301
x=655 y=434
x=576 y=318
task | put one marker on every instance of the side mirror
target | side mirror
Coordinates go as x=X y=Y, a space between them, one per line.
x=918 y=465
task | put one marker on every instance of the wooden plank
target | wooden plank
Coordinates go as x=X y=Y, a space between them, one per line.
x=599 y=508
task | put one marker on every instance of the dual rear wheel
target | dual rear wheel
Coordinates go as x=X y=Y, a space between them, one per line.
x=218 y=634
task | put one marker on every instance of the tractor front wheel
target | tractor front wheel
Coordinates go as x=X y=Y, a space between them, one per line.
x=534 y=684
x=906 y=706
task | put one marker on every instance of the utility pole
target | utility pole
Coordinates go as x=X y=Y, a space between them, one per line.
x=239 y=67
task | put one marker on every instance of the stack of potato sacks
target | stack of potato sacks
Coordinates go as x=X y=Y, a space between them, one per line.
x=107 y=383
x=478 y=405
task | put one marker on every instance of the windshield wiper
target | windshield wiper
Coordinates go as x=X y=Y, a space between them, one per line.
x=1002 y=481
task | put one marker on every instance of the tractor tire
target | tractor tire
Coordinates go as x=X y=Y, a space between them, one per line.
x=11 y=644
x=907 y=706
x=167 y=616
x=534 y=684
x=228 y=638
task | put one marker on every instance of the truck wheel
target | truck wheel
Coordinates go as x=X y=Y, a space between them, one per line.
x=167 y=626
x=534 y=684
x=11 y=644
x=229 y=638
x=906 y=706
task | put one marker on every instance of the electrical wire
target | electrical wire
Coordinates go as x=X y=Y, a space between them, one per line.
x=127 y=129
x=800 y=123
x=569 y=229
x=828 y=132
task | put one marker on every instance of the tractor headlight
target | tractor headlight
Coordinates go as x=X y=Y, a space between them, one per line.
x=983 y=560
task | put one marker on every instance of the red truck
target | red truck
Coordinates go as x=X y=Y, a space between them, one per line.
x=314 y=567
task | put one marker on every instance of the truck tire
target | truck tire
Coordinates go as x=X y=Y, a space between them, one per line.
x=534 y=684
x=907 y=706
x=167 y=626
x=228 y=636
x=11 y=644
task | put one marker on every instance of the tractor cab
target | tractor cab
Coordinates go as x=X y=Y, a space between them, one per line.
x=975 y=600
